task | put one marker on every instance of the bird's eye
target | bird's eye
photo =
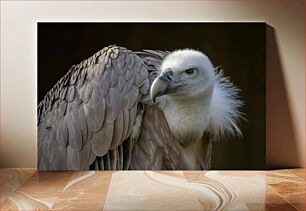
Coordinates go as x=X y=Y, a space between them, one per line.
x=190 y=71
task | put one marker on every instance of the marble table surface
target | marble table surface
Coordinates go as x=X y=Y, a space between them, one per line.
x=29 y=189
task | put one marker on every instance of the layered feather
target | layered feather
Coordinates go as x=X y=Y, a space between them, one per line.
x=225 y=107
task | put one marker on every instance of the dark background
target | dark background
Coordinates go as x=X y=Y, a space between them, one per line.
x=238 y=47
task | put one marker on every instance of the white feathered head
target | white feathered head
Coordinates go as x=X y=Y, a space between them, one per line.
x=188 y=77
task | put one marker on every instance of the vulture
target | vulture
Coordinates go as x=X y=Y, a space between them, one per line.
x=137 y=110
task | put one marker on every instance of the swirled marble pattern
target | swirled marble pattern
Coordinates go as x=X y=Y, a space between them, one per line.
x=28 y=189
x=12 y=179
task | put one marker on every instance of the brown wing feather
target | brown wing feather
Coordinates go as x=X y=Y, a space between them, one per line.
x=90 y=111
x=156 y=147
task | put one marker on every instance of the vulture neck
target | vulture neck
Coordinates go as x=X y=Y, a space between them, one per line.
x=187 y=119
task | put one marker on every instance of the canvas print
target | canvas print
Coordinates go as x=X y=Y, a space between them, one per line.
x=151 y=96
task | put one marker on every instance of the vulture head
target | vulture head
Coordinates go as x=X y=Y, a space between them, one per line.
x=185 y=75
x=195 y=98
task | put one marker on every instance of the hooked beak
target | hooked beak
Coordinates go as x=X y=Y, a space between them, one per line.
x=162 y=85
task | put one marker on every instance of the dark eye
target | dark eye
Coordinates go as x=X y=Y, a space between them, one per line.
x=190 y=71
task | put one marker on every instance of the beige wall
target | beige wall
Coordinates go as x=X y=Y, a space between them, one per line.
x=18 y=63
